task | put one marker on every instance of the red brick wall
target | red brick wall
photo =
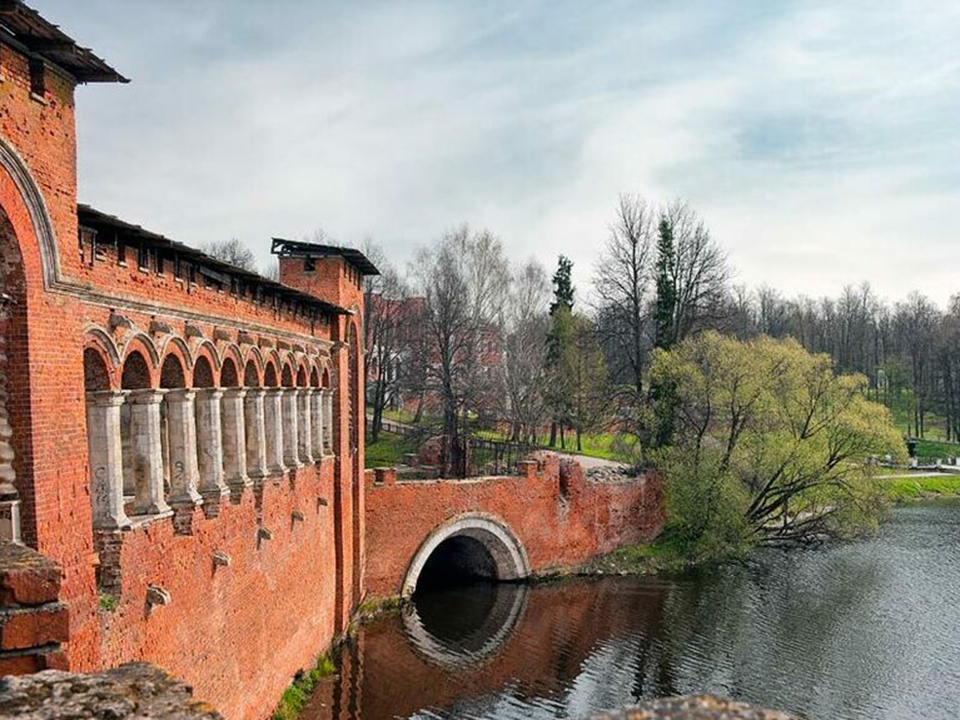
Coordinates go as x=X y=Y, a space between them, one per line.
x=556 y=529
x=338 y=282
x=236 y=634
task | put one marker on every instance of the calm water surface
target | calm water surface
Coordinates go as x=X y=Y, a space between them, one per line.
x=869 y=629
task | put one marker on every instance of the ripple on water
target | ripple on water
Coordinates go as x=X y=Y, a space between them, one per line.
x=866 y=630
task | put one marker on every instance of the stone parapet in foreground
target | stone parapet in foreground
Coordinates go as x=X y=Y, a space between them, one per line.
x=136 y=691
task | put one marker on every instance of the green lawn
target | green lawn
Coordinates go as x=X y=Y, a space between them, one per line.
x=389 y=450
x=937 y=449
x=601 y=445
x=915 y=488
x=401 y=416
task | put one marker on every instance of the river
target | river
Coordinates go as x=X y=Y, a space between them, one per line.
x=850 y=631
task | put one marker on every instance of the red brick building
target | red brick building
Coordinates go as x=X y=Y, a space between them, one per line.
x=182 y=441
x=181 y=437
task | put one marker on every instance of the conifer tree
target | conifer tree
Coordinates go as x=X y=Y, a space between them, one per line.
x=666 y=286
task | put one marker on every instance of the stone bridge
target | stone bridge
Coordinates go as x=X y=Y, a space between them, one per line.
x=499 y=527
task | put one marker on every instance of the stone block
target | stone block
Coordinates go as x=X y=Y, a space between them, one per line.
x=26 y=577
x=34 y=627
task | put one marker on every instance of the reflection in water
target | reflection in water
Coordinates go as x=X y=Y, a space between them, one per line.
x=855 y=631
x=484 y=618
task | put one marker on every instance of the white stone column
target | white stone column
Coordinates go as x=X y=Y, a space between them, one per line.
x=305 y=435
x=234 y=438
x=182 y=434
x=274 y=430
x=290 y=430
x=255 y=432
x=210 y=443
x=105 y=457
x=316 y=411
x=328 y=420
x=147 y=457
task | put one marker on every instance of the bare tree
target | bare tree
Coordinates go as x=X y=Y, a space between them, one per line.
x=523 y=368
x=463 y=279
x=272 y=271
x=386 y=311
x=622 y=284
x=232 y=251
x=699 y=273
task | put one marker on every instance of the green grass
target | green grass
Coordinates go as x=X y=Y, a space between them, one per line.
x=402 y=415
x=600 y=445
x=937 y=449
x=296 y=697
x=389 y=450
x=903 y=489
x=662 y=555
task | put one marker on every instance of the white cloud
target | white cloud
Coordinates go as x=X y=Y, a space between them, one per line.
x=817 y=138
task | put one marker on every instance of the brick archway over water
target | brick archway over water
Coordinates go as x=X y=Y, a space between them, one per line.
x=506 y=551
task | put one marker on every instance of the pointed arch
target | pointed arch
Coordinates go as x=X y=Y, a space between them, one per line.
x=40 y=223
x=181 y=348
x=97 y=336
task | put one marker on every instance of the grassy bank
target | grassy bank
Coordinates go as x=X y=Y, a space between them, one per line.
x=389 y=450
x=296 y=697
x=905 y=489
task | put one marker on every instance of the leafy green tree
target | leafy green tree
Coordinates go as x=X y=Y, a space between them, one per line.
x=770 y=445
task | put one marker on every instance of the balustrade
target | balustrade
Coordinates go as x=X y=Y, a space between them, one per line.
x=209 y=441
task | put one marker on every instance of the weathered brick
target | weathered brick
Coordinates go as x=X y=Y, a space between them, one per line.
x=33 y=627
x=26 y=577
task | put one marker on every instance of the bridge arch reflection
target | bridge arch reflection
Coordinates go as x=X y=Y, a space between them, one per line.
x=484 y=621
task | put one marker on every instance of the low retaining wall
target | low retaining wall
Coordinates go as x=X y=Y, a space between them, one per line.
x=560 y=517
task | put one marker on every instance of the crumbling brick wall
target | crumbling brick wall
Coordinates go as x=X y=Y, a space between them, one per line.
x=560 y=517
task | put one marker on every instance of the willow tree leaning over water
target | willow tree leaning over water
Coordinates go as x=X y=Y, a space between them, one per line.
x=768 y=444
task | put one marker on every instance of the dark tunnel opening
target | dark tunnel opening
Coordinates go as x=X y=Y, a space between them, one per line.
x=455 y=592
x=456 y=562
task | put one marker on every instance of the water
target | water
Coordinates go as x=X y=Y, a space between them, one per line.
x=868 y=629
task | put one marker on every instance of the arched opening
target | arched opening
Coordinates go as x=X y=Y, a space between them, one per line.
x=135 y=376
x=96 y=377
x=301 y=378
x=314 y=378
x=251 y=378
x=228 y=374
x=136 y=372
x=469 y=549
x=459 y=560
x=286 y=377
x=270 y=376
x=171 y=373
x=203 y=373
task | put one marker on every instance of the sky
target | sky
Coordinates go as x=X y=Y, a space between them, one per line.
x=819 y=140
